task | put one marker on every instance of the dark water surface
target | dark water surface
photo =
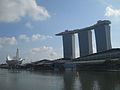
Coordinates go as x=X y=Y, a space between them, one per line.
x=84 y=80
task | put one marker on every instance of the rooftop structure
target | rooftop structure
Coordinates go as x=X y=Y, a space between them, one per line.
x=100 y=22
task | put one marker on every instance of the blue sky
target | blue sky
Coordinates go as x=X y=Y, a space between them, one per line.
x=31 y=25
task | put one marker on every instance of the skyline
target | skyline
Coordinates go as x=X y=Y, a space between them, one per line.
x=31 y=25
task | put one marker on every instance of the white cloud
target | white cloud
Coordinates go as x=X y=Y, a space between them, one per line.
x=43 y=53
x=24 y=37
x=42 y=49
x=14 y=10
x=40 y=37
x=111 y=12
x=34 y=37
x=4 y=41
x=29 y=25
x=103 y=2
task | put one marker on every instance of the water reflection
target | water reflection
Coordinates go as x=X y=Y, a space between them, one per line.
x=100 y=80
x=91 y=80
x=68 y=80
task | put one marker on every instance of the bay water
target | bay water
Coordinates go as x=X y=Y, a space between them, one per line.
x=67 y=80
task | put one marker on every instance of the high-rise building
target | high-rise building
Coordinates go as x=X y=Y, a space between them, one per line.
x=69 y=45
x=102 y=35
x=85 y=42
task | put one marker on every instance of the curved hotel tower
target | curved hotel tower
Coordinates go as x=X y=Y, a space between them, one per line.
x=85 y=43
x=69 y=45
x=102 y=36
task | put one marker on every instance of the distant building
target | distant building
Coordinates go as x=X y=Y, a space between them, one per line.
x=85 y=43
x=69 y=45
x=102 y=35
x=15 y=61
x=111 y=54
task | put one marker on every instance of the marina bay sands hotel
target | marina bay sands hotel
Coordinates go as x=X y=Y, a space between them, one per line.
x=102 y=37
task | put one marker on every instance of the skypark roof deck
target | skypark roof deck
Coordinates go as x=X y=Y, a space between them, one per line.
x=104 y=22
